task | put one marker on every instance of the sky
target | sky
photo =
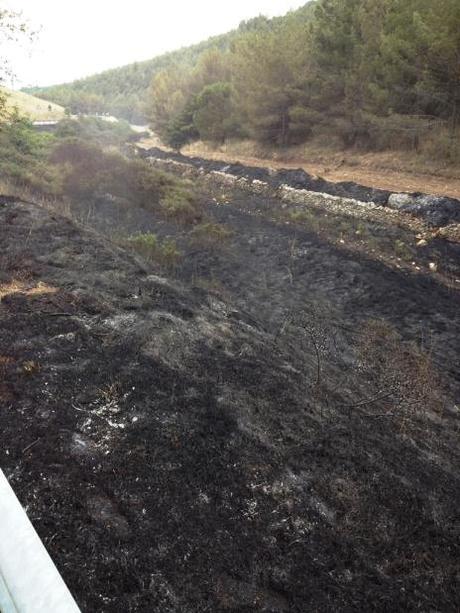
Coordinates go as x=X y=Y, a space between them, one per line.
x=82 y=37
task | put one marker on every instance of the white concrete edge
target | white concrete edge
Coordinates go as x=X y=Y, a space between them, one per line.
x=29 y=580
x=284 y=188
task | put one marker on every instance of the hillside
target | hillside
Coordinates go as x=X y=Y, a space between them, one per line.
x=361 y=75
x=180 y=446
x=123 y=91
x=31 y=106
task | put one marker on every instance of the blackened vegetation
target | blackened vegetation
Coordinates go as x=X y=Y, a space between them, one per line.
x=179 y=452
x=438 y=211
x=297 y=178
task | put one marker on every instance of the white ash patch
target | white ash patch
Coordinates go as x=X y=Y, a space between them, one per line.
x=121 y=322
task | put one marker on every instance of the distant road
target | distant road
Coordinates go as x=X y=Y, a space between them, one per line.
x=140 y=129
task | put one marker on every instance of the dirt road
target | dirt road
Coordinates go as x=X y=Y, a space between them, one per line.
x=363 y=170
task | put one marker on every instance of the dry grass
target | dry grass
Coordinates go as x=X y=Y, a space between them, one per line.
x=21 y=287
x=5 y=361
x=25 y=194
x=34 y=108
x=403 y=371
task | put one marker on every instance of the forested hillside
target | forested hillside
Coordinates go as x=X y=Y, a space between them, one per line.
x=373 y=74
x=123 y=91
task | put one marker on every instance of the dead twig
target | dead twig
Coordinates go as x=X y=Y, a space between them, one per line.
x=57 y=314
x=282 y=328
x=369 y=400
x=29 y=447
x=378 y=416
x=318 y=356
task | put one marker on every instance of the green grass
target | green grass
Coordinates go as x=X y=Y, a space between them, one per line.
x=210 y=234
x=149 y=247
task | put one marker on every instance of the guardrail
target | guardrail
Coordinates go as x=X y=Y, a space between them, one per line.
x=29 y=580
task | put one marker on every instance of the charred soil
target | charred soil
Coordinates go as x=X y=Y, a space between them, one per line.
x=224 y=440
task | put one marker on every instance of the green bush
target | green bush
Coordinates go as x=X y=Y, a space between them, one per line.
x=96 y=130
x=149 y=247
x=178 y=204
x=403 y=251
x=214 y=117
x=211 y=234
x=145 y=244
x=23 y=153
x=304 y=217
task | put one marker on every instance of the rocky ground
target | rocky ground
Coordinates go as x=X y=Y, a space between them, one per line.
x=276 y=429
x=436 y=210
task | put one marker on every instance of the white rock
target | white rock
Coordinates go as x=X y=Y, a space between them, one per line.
x=397 y=201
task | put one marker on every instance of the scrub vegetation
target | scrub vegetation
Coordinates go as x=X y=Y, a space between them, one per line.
x=83 y=161
x=163 y=252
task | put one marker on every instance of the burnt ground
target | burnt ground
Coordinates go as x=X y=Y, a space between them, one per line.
x=436 y=210
x=173 y=444
x=271 y=268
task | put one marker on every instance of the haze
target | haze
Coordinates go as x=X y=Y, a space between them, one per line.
x=77 y=39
